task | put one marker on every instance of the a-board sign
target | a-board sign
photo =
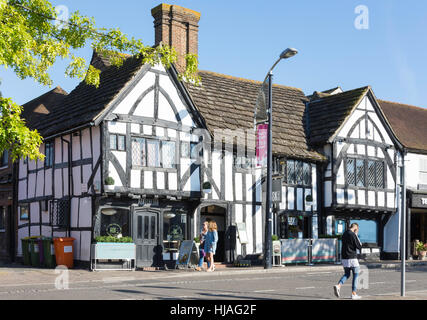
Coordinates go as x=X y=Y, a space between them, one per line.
x=185 y=252
x=243 y=236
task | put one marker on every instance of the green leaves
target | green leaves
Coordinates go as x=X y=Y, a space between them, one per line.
x=15 y=136
x=32 y=39
x=111 y=239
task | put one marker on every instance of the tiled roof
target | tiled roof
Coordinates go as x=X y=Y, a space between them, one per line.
x=86 y=102
x=227 y=102
x=408 y=123
x=43 y=108
x=327 y=114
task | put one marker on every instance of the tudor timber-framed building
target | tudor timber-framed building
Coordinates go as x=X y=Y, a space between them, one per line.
x=142 y=128
x=160 y=141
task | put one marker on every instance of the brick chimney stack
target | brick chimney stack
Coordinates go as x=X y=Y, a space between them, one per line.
x=177 y=27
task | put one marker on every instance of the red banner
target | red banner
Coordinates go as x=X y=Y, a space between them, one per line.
x=261 y=145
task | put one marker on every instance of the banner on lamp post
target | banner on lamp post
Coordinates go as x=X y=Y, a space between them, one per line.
x=261 y=145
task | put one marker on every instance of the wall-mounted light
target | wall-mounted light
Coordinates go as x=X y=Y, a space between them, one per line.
x=170 y=215
x=109 y=211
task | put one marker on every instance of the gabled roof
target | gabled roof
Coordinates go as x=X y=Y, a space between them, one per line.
x=86 y=102
x=42 y=108
x=408 y=123
x=327 y=114
x=227 y=102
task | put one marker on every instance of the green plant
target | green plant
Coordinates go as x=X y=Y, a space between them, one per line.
x=327 y=236
x=421 y=246
x=274 y=237
x=197 y=240
x=111 y=239
x=109 y=181
x=207 y=186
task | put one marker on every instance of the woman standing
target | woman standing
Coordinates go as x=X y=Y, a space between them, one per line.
x=202 y=252
x=210 y=245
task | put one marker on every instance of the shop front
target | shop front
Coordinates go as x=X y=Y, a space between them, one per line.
x=416 y=220
x=157 y=227
x=370 y=230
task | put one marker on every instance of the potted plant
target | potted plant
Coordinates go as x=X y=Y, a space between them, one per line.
x=109 y=183
x=113 y=248
x=422 y=250
x=207 y=187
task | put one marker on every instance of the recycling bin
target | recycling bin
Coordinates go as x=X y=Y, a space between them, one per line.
x=39 y=242
x=26 y=251
x=34 y=252
x=49 y=253
x=64 y=252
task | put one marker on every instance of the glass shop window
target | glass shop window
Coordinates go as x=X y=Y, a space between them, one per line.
x=115 y=222
x=368 y=231
x=174 y=226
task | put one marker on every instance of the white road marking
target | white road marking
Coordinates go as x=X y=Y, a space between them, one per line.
x=318 y=273
x=305 y=288
x=261 y=291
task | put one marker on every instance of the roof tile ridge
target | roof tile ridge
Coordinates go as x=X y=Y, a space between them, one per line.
x=246 y=80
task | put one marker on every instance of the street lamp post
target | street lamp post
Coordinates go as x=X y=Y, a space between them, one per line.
x=288 y=53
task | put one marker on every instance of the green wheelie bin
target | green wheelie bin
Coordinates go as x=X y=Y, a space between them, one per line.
x=35 y=251
x=49 y=253
x=26 y=251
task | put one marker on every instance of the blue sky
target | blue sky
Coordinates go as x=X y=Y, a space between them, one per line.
x=244 y=38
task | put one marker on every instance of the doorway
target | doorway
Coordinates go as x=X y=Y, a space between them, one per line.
x=217 y=214
x=146 y=238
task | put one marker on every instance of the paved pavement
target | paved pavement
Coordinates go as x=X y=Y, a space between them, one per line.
x=16 y=277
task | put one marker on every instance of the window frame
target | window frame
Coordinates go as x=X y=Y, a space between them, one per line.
x=116 y=137
x=376 y=184
x=48 y=161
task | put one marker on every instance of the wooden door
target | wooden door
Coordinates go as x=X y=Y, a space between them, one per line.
x=146 y=237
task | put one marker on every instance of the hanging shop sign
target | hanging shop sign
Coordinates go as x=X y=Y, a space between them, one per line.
x=276 y=195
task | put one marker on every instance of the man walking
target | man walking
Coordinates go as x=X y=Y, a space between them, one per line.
x=350 y=245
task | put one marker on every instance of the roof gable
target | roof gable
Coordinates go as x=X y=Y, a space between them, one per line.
x=328 y=114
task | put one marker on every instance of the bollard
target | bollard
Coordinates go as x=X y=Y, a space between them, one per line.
x=310 y=252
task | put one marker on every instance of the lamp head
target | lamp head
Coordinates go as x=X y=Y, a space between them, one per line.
x=288 y=53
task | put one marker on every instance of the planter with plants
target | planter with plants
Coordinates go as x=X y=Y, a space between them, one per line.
x=422 y=250
x=113 y=248
x=109 y=183
x=207 y=187
x=277 y=245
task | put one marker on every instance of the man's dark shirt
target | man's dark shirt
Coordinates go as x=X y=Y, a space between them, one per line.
x=350 y=242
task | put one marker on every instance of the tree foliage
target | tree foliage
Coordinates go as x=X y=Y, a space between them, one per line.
x=32 y=39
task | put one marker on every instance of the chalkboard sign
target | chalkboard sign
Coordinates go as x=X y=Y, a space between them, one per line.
x=243 y=236
x=188 y=247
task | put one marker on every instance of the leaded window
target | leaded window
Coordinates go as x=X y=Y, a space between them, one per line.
x=299 y=172
x=365 y=173
x=371 y=174
x=351 y=173
x=380 y=175
x=307 y=174
x=291 y=172
x=138 y=152
x=117 y=142
x=153 y=153
x=48 y=161
x=168 y=154
x=360 y=173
